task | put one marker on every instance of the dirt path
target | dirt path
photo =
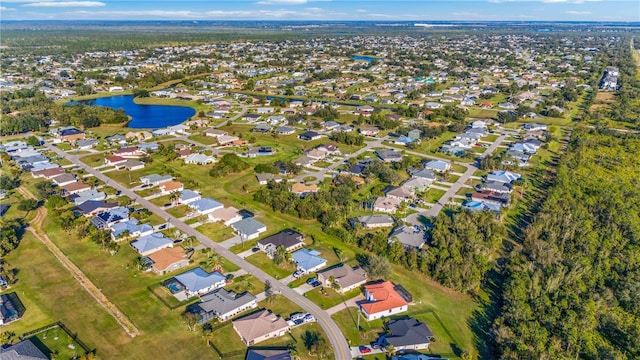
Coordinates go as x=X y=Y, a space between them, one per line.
x=35 y=227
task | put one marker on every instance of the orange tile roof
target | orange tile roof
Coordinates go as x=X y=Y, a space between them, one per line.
x=300 y=188
x=171 y=185
x=386 y=298
x=74 y=186
x=164 y=258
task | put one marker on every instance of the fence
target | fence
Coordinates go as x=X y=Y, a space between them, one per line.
x=64 y=328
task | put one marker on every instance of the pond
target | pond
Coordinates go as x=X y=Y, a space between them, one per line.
x=144 y=116
x=363 y=58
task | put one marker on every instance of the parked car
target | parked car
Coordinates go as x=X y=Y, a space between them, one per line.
x=309 y=318
x=316 y=283
x=375 y=345
x=297 y=316
x=298 y=273
x=311 y=280
x=364 y=349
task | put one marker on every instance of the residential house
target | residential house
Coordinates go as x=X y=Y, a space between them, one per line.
x=130 y=228
x=411 y=236
x=110 y=217
x=389 y=155
x=188 y=196
x=86 y=144
x=408 y=334
x=269 y=354
x=438 y=165
x=416 y=184
x=289 y=239
x=205 y=206
x=303 y=189
x=403 y=140
x=93 y=207
x=11 y=309
x=148 y=147
x=88 y=195
x=130 y=165
x=167 y=260
x=261 y=128
x=373 y=221
x=227 y=139
x=490 y=197
x=534 y=127
x=401 y=192
x=170 y=186
x=223 y=304
x=265 y=110
x=24 y=350
x=251 y=117
x=75 y=188
x=425 y=174
x=285 y=130
x=308 y=260
x=249 y=228
x=64 y=179
x=48 y=173
x=195 y=282
x=503 y=176
x=263 y=179
x=155 y=179
x=497 y=186
x=345 y=278
x=128 y=152
x=227 y=216
x=260 y=326
x=199 y=159
x=369 y=131
x=387 y=204
x=146 y=245
x=114 y=160
x=70 y=134
x=309 y=136
x=215 y=133
x=382 y=300
x=481 y=206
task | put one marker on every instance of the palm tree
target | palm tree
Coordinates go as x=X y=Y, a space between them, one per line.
x=212 y=261
x=174 y=197
x=207 y=333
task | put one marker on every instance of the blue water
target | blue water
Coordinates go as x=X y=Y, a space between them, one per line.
x=145 y=116
x=364 y=58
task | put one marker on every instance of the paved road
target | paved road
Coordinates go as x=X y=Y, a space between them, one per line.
x=453 y=190
x=336 y=339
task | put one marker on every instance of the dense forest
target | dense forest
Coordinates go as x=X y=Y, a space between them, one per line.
x=573 y=291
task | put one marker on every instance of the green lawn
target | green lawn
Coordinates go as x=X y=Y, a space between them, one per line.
x=159 y=201
x=204 y=139
x=490 y=137
x=179 y=211
x=216 y=231
x=433 y=195
x=50 y=293
x=327 y=298
x=94 y=160
x=347 y=320
x=262 y=261
x=246 y=283
x=56 y=341
x=227 y=341
x=458 y=168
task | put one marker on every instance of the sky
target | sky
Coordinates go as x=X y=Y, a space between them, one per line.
x=374 y=10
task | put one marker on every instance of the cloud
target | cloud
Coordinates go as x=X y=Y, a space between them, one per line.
x=63 y=4
x=575 y=12
x=288 y=2
x=362 y=10
x=2 y=8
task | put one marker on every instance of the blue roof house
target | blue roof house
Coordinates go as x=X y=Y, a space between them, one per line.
x=110 y=217
x=503 y=176
x=308 y=260
x=119 y=230
x=205 y=206
x=403 y=140
x=249 y=228
x=188 y=196
x=197 y=281
x=147 y=245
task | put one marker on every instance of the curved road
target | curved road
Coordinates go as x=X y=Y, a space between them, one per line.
x=340 y=347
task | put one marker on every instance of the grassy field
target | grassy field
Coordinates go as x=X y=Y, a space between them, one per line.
x=50 y=294
x=216 y=231
x=203 y=139
x=327 y=298
x=281 y=271
x=433 y=195
x=246 y=283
